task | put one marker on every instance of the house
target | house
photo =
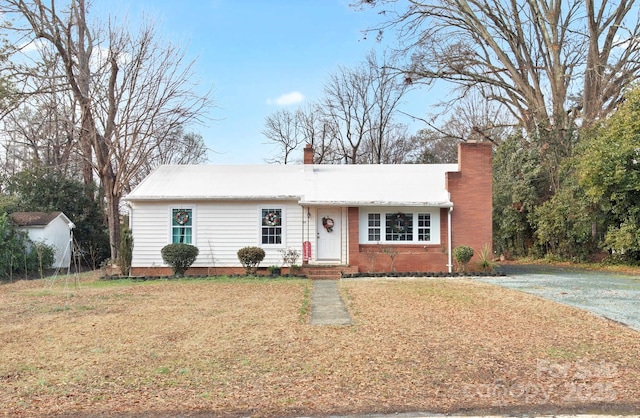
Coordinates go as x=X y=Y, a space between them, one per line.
x=51 y=228
x=369 y=218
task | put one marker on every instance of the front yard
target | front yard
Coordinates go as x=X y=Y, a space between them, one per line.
x=244 y=347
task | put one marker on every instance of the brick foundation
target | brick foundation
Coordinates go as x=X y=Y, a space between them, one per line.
x=370 y=258
x=199 y=271
x=471 y=193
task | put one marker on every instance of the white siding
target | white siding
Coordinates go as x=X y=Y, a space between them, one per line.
x=220 y=230
x=56 y=234
x=59 y=235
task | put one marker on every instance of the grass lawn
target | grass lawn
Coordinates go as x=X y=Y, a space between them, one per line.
x=244 y=347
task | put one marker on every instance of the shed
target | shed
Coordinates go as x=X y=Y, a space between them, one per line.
x=51 y=228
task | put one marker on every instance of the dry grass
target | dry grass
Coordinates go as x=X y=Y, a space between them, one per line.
x=243 y=348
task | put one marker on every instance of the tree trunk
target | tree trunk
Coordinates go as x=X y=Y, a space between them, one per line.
x=86 y=149
x=112 y=201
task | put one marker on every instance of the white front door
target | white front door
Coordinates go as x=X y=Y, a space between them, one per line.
x=329 y=234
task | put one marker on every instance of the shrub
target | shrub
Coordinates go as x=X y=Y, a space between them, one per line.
x=19 y=255
x=462 y=254
x=41 y=257
x=125 y=252
x=289 y=256
x=486 y=263
x=250 y=257
x=180 y=257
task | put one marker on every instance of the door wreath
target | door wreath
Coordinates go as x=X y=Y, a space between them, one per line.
x=328 y=223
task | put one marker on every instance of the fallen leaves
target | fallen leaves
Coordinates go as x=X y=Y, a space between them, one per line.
x=225 y=348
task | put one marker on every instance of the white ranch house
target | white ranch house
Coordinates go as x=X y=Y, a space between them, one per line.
x=338 y=215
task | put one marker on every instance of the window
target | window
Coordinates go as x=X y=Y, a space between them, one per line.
x=271 y=226
x=374 y=227
x=182 y=226
x=424 y=227
x=399 y=227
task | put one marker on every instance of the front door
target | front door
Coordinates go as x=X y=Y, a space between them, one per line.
x=329 y=234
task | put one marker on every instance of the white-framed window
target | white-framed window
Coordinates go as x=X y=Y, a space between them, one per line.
x=182 y=225
x=373 y=227
x=400 y=225
x=424 y=227
x=271 y=222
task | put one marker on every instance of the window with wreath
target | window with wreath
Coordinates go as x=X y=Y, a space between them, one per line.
x=399 y=227
x=271 y=229
x=394 y=225
x=182 y=226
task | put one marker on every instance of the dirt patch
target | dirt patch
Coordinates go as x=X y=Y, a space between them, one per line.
x=225 y=348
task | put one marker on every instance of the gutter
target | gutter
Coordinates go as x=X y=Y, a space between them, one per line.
x=450 y=245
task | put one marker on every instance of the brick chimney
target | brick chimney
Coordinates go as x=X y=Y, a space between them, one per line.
x=308 y=154
x=470 y=189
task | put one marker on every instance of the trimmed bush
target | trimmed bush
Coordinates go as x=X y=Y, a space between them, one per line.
x=180 y=257
x=462 y=254
x=250 y=257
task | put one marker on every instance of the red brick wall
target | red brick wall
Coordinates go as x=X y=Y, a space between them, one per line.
x=198 y=271
x=194 y=271
x=353 y=236
x=471 y=189
x=308 y=154
x=409 y=258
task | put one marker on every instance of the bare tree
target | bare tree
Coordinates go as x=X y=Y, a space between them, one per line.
x=361 y=104
x=318 y=131
x=283 y=129
x=178 y=148
x=387 y=91
x=132 y=92
x=551 y=64
x=308 y=125
x=429 y=146
x=530 y=55
x=42 y=131
x=394 y=147
x=347 y=106
x=353 y=122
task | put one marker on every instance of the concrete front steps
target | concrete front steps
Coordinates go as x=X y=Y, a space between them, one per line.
x=327 y=272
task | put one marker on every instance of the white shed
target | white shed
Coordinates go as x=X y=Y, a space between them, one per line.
x=51 y=228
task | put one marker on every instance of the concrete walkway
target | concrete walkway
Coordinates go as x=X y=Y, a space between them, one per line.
x=327 y=306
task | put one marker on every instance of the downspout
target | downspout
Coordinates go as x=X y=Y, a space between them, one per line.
x=450 y=261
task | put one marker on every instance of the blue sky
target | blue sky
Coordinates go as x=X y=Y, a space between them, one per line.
x=256 y=54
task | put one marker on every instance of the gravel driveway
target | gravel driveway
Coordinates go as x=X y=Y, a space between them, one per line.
x=610 y=295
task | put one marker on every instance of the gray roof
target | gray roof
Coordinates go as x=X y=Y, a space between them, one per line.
x=36 y=218
x=309 y=185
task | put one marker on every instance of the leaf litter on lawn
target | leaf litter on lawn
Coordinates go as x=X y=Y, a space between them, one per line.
x=239 y=348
